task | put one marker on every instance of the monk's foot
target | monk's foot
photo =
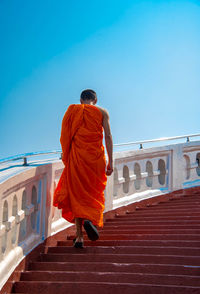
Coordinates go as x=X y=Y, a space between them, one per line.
x=91 y=230
x=78 y=242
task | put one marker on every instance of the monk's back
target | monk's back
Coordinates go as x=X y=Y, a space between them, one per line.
x=88 y=140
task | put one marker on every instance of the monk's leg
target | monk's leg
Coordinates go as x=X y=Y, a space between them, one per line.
x=79 y=232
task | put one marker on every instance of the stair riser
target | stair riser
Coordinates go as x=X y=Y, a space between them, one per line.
x=161 y=212
x=149 y=227
x=182 y=260
x=179 y=202
x=157 y=218
x=99 y=288
x=165 y=243
x=128 y=250
x=182 y=216
x=150 y=237
x=116 y=267
x=115 y=222
x=166 y=208
x=189 y=198
x=111 y=278
x=160 y=217
x=111 y=222
x=151 y=231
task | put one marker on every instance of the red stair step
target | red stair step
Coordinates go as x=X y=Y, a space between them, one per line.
x=99 y=288
x=167 y=207
x=116 y=267
x=187 y=251
x=114 y=222
x=116 y=277
x=158 y=218
x=122 y=258
x=121 y=236
x=149 y=226
x=151 y=231
x=176 y=243
x=158 y=215
x=190 y=199
x=164 y=212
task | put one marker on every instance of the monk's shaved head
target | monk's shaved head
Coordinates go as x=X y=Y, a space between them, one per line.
x=88 y=95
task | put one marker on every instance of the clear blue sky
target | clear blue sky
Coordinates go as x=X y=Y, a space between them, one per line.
x=141 y=57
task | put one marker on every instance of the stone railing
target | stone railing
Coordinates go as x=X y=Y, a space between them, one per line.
x=27 y=216
x=149 y=172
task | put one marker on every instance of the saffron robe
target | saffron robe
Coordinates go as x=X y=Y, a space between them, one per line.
x=80 y=190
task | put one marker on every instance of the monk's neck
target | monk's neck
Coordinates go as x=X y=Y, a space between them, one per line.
x=88 y=102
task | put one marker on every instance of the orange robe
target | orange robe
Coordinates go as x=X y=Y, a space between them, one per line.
x=80 y=190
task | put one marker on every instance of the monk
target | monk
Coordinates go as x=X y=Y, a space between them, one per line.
x=80 y=190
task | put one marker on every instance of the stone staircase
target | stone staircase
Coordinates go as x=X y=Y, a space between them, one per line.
x=151 y=250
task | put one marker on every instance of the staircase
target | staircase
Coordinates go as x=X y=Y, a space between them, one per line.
x=152 y=250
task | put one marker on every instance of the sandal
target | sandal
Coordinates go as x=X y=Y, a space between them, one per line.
x=91 y=230
x=77 y=244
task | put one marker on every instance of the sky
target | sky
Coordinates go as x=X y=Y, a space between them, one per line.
x=141 y=57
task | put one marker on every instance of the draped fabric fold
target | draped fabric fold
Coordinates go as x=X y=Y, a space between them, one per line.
x=80 y=190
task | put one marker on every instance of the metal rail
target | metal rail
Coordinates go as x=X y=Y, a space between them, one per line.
x=24 y=156
x=187 y=137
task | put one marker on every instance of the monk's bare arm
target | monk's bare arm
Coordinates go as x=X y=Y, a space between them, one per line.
x=108 y=141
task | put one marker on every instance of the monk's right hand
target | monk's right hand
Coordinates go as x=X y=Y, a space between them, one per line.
x=109 y=170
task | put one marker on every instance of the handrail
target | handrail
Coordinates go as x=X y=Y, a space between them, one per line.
x=24 y=156
x=157 y=140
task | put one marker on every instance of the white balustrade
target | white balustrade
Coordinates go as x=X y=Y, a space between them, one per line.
x=27 y=216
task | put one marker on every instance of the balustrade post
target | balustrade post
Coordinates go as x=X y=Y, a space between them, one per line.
x=25 y=161
x=109 y=193
x=177 y=168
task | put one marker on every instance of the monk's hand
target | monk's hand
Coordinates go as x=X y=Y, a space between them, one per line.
x=109 y=169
